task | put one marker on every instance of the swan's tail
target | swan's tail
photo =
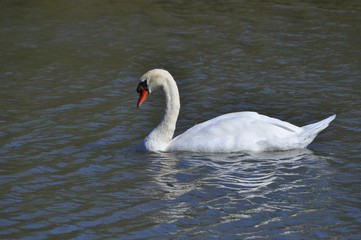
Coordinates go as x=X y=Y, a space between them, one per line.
x=310 y=131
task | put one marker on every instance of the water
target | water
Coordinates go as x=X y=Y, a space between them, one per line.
x=69 y=128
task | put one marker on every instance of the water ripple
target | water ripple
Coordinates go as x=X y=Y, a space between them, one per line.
x=69 y=128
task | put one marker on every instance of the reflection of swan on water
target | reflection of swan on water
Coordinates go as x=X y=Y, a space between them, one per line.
x=233 y=132
x=181 y=173
x=253 y=190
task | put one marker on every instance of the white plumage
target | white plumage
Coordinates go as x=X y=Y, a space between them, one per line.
x=233 y=132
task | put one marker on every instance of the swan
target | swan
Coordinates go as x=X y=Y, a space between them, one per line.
x=232 y=132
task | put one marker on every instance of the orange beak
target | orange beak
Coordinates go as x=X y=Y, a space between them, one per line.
x=143 y=94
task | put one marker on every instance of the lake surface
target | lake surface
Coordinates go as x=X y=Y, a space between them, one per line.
x=69 y=128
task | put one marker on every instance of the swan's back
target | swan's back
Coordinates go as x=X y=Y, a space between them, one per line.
x=242 y=131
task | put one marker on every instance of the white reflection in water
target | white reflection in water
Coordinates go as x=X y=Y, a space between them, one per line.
x=257 y=174
x=216 y=191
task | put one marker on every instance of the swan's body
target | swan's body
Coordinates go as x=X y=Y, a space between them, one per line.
x=233 y=132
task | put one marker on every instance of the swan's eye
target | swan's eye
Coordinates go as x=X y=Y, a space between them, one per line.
x=143 y=85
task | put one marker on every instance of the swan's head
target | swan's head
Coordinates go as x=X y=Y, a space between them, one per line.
x=149 y=82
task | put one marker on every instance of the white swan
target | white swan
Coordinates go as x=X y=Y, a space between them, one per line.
x=233 y=132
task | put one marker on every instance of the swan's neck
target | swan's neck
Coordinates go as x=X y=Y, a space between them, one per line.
x=160 y=137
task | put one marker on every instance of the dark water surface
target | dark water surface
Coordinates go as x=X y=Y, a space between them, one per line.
x=69 y=128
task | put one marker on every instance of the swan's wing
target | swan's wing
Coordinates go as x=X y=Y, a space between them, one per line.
x=233 y=132
x=279 y=123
